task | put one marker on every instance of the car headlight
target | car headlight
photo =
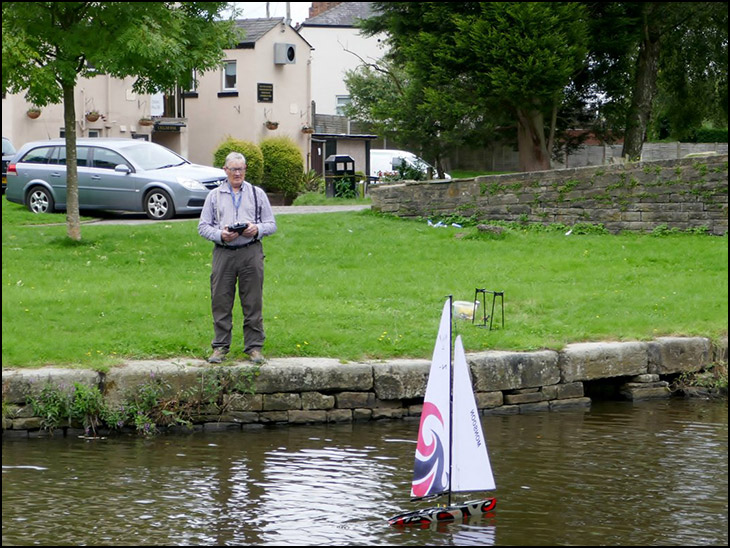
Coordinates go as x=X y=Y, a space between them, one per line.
x=191 y=184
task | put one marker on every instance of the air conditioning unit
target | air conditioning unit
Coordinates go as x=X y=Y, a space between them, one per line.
x=285 y=54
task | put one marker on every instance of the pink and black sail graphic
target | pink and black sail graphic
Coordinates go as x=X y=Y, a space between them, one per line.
x=430 y=476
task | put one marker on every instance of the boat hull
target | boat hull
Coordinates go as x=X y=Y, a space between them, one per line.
x=444 y=513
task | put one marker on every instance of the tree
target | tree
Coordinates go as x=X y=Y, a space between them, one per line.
x=474 y=62
x=668 y=57
x=48 y=46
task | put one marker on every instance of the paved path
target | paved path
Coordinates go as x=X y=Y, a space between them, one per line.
x=141 y=219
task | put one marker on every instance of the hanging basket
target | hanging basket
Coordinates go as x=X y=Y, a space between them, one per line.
x=33 y=113
x=307 y=129
x=146 y=122
x=92 y=116
x=271 y=125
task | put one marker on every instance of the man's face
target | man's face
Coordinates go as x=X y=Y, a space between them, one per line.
x=236 y=171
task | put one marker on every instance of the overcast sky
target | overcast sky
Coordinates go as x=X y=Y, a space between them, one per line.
x=253 y=10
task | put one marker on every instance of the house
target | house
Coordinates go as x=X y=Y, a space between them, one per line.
x=339 y=46
x=262 y=90
x=119 y=110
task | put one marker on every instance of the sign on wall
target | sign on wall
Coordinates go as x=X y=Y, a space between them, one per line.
x=265 y=93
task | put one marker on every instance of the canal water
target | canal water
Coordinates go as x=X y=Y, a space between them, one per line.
x=621 y=473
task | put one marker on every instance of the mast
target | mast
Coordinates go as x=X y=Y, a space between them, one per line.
x=451 y=392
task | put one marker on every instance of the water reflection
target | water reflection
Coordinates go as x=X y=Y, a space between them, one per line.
x=641 y=474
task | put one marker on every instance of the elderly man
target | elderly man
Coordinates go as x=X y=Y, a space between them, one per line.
x=236 y=216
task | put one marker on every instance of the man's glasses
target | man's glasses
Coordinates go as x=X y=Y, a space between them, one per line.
x=236 y=169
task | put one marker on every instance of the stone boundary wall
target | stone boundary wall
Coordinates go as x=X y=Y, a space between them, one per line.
x=315 y=390
x=682 y=194
x=507 y=158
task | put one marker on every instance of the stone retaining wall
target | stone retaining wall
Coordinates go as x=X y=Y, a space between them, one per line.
x=312 y=390
x=682 y=194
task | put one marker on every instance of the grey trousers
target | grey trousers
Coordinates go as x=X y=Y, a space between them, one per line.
x=244 y=266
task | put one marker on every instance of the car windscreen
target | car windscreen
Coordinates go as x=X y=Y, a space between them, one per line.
x=148 y=156
x=8 y=148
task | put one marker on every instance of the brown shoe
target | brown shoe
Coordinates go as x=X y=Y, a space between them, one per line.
x=218 y=355
x=256 y=356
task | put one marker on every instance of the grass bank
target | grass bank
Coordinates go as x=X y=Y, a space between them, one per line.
x=349 y=286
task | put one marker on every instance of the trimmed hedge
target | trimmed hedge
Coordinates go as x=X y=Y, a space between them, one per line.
x=283 y=167
x=709 y=135
x=252 y=152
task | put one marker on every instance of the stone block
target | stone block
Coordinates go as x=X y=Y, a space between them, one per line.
x=17 y=383
x=679 y=354
x=362 y=414
x=241 y=417
x=570 y=390
x=282 y=402
x=401 y=379
x=589 y=361
x=497 y=370
x=243 y=402
x=339 y=415
x=273 y=417
x=488 y=400
x=516 y=399
x=641 y=391
x=316 y=400
x=313 y=375
x=305 y=417
x=171 y=377
x=536 y=407
x=352 y=400
x=388 y=413
x=571 y=403
x=503 y=410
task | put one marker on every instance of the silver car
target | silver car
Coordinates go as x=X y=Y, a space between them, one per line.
x=114 y=174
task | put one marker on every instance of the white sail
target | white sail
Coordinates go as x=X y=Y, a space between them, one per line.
x=431 y=469
x=471 y=470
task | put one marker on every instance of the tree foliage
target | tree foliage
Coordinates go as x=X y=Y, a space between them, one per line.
x=543 y=67
x=48 y=46
x=658 y=67
x=471 y=66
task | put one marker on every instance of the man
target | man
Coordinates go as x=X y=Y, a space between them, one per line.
x=238 y=256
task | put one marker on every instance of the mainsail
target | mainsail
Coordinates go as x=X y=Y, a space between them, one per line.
x=431 y=469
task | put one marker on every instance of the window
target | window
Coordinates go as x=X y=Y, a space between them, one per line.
x=37 y=156
x=58 y=156
x=229 y=75
x=191 y=84
x=342 y=101
x=107 y=159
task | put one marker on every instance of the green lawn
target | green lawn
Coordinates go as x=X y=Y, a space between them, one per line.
x=347 y=285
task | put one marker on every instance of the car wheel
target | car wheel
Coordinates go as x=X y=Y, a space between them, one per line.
x=158 y=205
x=40 y=200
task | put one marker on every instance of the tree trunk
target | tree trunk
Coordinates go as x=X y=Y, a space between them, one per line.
x=642 y=96
x=533 y=152
x=73 y=222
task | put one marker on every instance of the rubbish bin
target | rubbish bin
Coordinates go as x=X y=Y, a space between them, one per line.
x=339 y=176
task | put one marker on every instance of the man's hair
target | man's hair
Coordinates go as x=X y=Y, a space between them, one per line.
x=234 y=156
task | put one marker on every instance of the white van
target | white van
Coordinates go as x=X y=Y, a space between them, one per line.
x=384 y=162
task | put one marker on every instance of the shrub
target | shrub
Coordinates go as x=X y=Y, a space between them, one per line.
x=252 y=152
x=709 y=135
x=283 y=166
